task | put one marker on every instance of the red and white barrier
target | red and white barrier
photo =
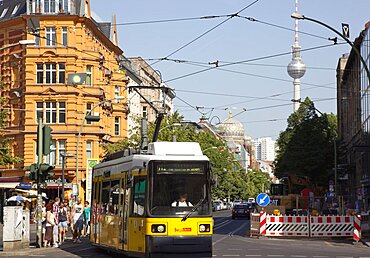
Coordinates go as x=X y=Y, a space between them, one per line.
x=323 y=226
x=310 y=226
x=263 y=223
x=357 y=228
x=287 y=226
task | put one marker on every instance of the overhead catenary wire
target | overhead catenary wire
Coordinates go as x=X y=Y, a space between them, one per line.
x=246 y=61
x=208 y=31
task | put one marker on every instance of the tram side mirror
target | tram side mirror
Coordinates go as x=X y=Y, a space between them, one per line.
x=214 y=181
x=130 y=181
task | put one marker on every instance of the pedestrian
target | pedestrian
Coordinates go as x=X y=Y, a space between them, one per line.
x=77 y=219
x=62 y=226
x=43 y=220
x=56 y=210
x=50 y=223
x=87 y=219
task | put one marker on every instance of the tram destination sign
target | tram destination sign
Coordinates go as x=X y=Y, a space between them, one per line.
x=177 y=167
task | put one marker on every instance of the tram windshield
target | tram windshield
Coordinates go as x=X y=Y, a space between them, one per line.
x=178 y=187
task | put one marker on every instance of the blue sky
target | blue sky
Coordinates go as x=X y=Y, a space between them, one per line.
x=262 y=87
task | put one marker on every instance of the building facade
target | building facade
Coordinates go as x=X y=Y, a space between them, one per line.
x=354 y=125
x=71 y=70
x=265 y=149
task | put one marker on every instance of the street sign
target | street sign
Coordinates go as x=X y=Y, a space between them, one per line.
x=263 y=199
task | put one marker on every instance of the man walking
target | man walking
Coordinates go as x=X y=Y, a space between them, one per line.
x=77 y=218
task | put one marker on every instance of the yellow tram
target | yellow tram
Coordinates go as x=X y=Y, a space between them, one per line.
x=135 y=202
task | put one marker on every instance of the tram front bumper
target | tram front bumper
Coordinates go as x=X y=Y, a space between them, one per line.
x=197 y=246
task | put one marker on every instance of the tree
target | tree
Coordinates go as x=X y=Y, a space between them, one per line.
x=306 y=147
x=6 y=157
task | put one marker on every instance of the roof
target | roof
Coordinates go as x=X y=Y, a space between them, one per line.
x=12 y=8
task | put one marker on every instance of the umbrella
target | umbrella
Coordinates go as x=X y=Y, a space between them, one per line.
x=18 y=199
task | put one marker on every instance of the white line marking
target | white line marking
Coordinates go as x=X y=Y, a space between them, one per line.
x=275 y=255
x=234 y=249
x=293 y=255
x=222 y=225
x=231 y=255
x=229 y=235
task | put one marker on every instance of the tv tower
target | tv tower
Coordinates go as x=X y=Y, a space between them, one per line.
x=296 y=68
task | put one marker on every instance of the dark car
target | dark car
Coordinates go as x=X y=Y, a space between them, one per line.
x=240 y=210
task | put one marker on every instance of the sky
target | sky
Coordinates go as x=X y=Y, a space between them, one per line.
x=257 y=92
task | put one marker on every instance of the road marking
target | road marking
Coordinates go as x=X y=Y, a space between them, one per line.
x=234 y=249
x=253 y=255
x=327 y=243
x=293 y=255
x=275 y=255
x=221 y=225
x=231 y=255
x=319 y=256
x=229 y=235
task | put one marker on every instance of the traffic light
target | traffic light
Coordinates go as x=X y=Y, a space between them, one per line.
x=46 y=139
x=32 y=171
x=44 y=172
x=45 y=134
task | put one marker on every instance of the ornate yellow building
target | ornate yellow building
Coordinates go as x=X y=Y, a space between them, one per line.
x=38 y=82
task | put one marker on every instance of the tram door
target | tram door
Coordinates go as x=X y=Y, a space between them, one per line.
x=126 y=209
x=137 y=221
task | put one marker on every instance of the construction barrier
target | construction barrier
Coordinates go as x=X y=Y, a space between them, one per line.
x=331 y=226
x=287 y=226
x=254 y=225
x=307 y=226
x=357 y=226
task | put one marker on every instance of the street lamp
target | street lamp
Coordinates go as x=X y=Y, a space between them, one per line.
x=64 y=156
x=303 y=17
x=173 y=133
x=92 y=118
x=21 y=42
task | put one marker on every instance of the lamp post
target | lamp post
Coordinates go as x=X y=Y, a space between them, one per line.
x=210 y=148
x=92 y=118
x=303 y=17
x=173 y=133
x=58 y=183
x=64 y=156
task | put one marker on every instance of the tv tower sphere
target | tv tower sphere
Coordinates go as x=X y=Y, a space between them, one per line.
x=296 y=68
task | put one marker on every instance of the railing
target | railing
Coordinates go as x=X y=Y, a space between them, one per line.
x=52 y=6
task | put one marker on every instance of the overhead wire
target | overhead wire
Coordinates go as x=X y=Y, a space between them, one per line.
x=246 y=61
x=208 y=31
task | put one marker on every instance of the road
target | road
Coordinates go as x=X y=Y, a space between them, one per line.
x=230 y=240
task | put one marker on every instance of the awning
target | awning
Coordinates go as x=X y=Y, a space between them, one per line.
x=9 y=185
x=30 y=192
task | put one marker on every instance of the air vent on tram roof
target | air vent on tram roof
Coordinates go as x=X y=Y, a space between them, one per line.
x=175 y=148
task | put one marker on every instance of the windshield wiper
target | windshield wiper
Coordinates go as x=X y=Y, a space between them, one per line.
x=201 y=201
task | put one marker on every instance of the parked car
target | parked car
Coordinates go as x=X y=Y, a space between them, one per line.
x=227 y=206
x=217 y=206
x=240 y=210
x=236 y=202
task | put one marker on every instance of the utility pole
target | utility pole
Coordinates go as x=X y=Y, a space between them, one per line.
x=38 y=177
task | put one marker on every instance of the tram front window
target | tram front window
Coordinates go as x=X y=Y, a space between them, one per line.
x=178 y=187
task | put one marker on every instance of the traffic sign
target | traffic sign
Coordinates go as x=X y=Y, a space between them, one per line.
x=263 y=199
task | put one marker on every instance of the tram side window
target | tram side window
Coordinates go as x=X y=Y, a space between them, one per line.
x=114 y=197
x=139 y=196
x=105 y=197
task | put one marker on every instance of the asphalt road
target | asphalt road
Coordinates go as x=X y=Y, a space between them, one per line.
x=230 y=239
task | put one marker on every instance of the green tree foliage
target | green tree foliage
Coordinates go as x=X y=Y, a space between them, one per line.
x=6 y=156
x=306 y=147
x=232 y=181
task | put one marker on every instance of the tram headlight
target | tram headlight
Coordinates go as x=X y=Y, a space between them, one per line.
x=158 y=228
x=204 y=228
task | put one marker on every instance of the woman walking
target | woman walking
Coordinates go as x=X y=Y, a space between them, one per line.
x=62 y=223
x=50 y=223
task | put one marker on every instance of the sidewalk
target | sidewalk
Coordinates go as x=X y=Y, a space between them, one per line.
x=62 y=251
